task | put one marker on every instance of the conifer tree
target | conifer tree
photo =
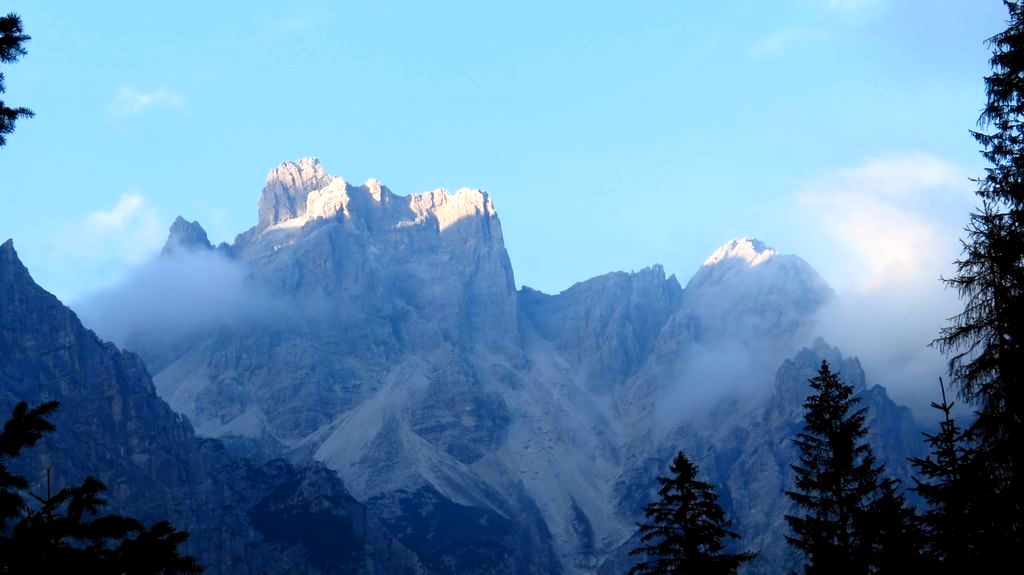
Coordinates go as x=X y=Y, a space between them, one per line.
x=853 y=520
x=66 y=532
x=897 y=540
x=952 y=484
x=12 y=47
x=984 y=341
x=687 y=528
x=24 y=429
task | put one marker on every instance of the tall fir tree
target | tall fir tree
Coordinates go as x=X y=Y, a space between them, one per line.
x=687 y=528
x=854 y=521
x=984 y=340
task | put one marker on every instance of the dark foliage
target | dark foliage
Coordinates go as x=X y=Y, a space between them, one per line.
x=66 y=532
x=24 y=429
x=853 y=520
x=954 y=484
x=12 y=47
x=984 y=340
x=895 y=529
x=687 y=528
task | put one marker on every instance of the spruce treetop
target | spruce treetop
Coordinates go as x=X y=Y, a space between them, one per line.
x=686 y=528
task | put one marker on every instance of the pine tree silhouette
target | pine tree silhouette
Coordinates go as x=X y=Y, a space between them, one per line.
x=687 y=528
x=66 y=532
x=12 y=47
x=853 y=520
x=897 y=538
x=985 y=340
x=24 y=429
x=952 y=484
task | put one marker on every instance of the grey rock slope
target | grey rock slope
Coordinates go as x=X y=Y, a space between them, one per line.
x=242 y=518
x=493 y=430
x=748 y=452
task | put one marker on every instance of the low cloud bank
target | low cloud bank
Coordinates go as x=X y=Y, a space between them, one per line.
x=890 y=331
x=736 y=368
x=168 y=298
x=889 y=230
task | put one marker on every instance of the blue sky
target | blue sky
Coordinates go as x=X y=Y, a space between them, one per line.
x=612 y=135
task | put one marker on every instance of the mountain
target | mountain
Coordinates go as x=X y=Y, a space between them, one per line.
x=186 y=235
x=747 y=287
x=748 y=451
x=493 y=430
x=242 y=517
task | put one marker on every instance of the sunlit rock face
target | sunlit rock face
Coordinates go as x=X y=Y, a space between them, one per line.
x=398 y=352
x=288 y=185
x=746 y=289
x=438 y=255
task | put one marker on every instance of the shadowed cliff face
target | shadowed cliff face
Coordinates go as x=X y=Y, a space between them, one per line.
x=401 y=356
x=112 y=425
x=609 y=324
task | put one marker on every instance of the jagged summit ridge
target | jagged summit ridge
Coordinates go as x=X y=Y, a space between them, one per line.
x=449 y=208
x=300 y=192
x=751 y=250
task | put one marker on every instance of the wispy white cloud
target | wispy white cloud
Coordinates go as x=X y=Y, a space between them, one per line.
x=129 y=232
x=889 y=220
x=886 y=231
x=132 y=102
x=116 y=218
x=100 y=247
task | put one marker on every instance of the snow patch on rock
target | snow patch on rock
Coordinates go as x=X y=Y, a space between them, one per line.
x=751 y=250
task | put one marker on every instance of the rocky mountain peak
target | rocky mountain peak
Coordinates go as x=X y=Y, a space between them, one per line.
x=288 y=186
x=300 y=192
x=305 y=173
x=12 y=272
x=740 y=260
x=187 y=236
x=7 y=253
x=746 y=287
x=751 y=250
x=376 y=189
x=655 y=274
